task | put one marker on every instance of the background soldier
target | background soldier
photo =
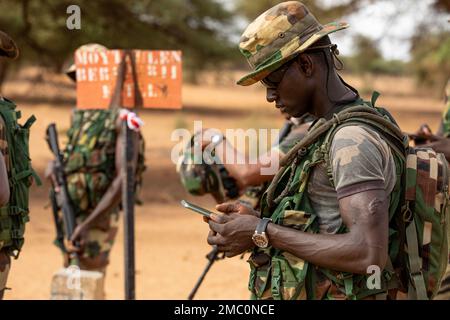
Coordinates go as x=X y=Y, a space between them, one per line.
x=93 y=165
x=247 y=181
x=14 y=184
x=441 y=143
x=441 y=140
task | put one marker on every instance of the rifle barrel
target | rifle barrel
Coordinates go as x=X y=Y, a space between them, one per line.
x=212 y=257
x=66 y=207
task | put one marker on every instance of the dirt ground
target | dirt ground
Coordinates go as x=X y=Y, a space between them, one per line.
x=170 y=242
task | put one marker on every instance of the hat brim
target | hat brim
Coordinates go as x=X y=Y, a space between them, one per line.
x=265 y=70
x=11 y=50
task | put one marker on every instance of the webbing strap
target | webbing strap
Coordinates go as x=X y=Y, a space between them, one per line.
x=29 y=122
x=276 y=280
x=11 y=211
x=116 y=101
x=36 y=177
x=374 y=98
x=322 y=127
x=22 y=175
x=348 y=286
x=419 y=291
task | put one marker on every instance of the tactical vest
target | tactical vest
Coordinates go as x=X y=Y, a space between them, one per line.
x=90 y=157
x=276 y=274
x=14 y=215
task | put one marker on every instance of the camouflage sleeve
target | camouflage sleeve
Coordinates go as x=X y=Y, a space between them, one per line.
x=361 y=161
x=297 y=133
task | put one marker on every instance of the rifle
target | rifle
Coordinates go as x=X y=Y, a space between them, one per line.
x=58 y=226
x=66 y=203
x=212 y=256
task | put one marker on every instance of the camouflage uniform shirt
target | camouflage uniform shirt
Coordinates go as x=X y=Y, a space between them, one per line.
x=361 y=161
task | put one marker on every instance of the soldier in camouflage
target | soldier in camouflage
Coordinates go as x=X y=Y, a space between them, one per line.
x=94 y=180
x=440 y=141
x=8 y=49
x=344 y=192
x=249 y=178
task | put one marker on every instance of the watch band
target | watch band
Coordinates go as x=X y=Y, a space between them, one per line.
x=262 y=225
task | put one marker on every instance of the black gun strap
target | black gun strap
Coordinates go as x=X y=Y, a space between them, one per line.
x=116 y=100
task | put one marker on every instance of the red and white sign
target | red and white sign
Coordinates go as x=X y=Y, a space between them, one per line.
x=159 y=77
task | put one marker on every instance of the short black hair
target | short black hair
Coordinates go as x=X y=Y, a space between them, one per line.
x=322 y=42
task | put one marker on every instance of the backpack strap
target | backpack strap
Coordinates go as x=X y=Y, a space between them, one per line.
x=322 y=126
x=374 y=98
x=418 y=291
x=29 y=122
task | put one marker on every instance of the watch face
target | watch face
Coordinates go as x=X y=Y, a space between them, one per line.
x=260 y=240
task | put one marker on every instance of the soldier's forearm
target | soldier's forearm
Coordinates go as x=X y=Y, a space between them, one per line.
x=366 y=243
x=247 y=173
x=108 y=202
x=343 y=252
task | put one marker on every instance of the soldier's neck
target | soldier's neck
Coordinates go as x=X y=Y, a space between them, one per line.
x=329 y=97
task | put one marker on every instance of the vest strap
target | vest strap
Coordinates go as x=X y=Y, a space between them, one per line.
x=417 y=289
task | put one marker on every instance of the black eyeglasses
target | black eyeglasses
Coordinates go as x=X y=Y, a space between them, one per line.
x=274 y=78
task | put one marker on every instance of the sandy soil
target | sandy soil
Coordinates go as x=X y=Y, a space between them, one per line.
x=170 y=242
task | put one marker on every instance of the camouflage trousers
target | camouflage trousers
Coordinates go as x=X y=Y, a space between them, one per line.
x=99 y=240
x=5 y=266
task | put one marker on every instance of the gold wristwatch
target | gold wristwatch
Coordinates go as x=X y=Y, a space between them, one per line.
x=260 y=238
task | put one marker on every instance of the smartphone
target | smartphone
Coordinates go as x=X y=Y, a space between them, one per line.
x=196 y=208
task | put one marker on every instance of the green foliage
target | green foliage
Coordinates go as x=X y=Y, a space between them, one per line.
x=389 y=67
x=366 y=54
x=368 y=59
x=194 y=26
x=431 y=59
x=252 y=9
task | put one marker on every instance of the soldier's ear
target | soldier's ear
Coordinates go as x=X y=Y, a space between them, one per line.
x=305 y=64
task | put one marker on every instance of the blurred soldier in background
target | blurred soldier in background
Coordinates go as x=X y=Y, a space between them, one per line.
x=16 y=174
x=93 y=172
x=440 y=141
x=231 y=180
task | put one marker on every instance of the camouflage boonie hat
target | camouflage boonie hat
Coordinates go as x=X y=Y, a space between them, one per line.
x=277 y=35
x=90 y=47
x=8 y=47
